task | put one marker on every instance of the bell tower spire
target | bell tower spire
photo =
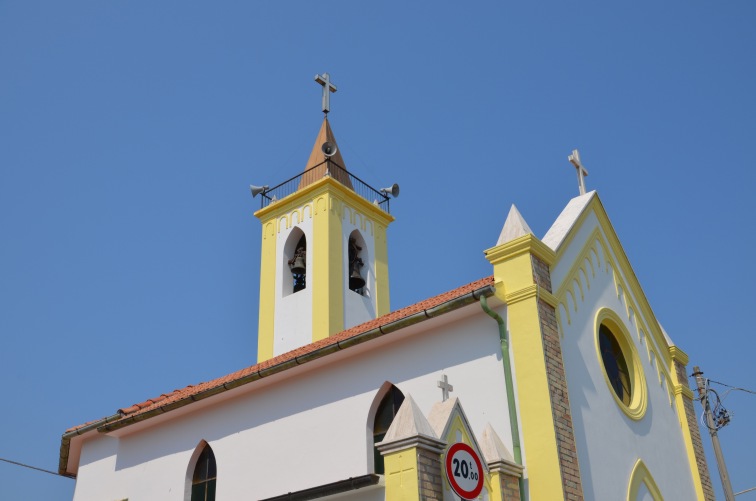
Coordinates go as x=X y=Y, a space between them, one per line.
x=324 y=259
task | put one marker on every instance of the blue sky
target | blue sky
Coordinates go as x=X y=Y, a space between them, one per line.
x=130 y=132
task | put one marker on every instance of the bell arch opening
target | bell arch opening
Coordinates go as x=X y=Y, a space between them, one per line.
x=295 y=262
x=358 y=264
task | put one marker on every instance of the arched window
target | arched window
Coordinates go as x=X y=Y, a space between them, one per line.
x=203 y=479
x=295 y=256
x=384 y=415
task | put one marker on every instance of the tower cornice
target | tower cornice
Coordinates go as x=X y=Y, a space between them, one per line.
x=326 y=185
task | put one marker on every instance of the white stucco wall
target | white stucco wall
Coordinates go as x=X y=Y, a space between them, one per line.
x=608 y=441
x=293 y=311
x=359 y=308
x=308 y=427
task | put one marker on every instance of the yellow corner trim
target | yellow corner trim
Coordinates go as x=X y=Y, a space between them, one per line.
x=637 y=408
x=526 y=244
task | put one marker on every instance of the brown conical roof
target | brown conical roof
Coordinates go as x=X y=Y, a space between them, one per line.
x=317 y=167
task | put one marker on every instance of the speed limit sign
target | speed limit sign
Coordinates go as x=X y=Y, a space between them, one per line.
x=464 y=471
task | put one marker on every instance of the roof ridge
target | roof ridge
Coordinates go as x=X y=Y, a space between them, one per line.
x=383 y=320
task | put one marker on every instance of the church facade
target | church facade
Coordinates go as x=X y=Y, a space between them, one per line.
x=548 y=379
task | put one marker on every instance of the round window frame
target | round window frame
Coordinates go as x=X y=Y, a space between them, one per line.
x=636 y=409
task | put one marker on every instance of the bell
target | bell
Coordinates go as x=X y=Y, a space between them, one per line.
x=298 y=267
x=356 y=281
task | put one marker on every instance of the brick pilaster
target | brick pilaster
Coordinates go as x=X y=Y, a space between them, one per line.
x=695 y=433
x=505 y=480
x=558 y=391
x=510 y=487
x=430 y=476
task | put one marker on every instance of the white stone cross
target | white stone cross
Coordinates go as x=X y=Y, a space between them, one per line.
x=582 y=172
x=328 y=87
x=445 y=388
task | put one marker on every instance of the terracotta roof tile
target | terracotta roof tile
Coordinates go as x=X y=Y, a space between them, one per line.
x=191 y=390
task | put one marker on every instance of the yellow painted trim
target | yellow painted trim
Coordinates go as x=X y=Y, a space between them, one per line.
x=382 y=301
x=641 y=475
x=526 y=244
x=683 y=393
x=328 y=271
x=325 y=202
x=566 y=306
x=458 y=425
x=538 y=429
x=678 y=355
x=494 y=493
x=402 y=475
x=312 y=191
x=513 y=269
x=266 y=317
x=596 y=239
x=609 y=240
x=637 y=408
x=530 y=292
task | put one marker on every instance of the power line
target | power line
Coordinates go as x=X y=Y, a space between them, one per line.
x=33 y=468
x=733 y=387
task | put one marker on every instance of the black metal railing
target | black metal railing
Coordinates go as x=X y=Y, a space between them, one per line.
x=323 y=169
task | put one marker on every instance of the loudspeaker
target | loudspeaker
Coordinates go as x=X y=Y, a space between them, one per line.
x=256 y=190
x=329 y=149
x=392 y=190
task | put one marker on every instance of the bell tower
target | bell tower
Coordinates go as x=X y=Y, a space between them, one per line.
x=324 y=265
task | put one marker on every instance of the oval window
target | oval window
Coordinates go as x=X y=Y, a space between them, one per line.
x=615 y=365
x=621 y=365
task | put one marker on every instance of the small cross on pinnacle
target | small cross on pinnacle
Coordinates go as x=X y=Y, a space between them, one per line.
x=328 y=87
x=582 y=172
x=445 y=388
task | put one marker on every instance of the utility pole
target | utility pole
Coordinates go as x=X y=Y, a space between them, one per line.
x=712 y=426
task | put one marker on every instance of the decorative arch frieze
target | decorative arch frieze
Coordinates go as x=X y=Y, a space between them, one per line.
x=571 y=297
x=358 y=219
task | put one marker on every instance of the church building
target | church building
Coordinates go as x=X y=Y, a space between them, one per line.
x=548 y=379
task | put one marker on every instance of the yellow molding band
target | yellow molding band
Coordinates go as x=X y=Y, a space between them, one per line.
x=684 y=391
x=529 y=292
x=319 y=187
x=526 y=244
x=678 y=355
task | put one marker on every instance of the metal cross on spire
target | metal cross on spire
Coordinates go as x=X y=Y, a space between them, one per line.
x=445 y=388
x=328 y=87
x=582 y=172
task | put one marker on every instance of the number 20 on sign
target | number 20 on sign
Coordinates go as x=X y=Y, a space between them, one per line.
x=464 y=471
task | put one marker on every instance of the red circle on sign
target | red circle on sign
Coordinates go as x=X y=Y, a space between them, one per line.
x=459 y=471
